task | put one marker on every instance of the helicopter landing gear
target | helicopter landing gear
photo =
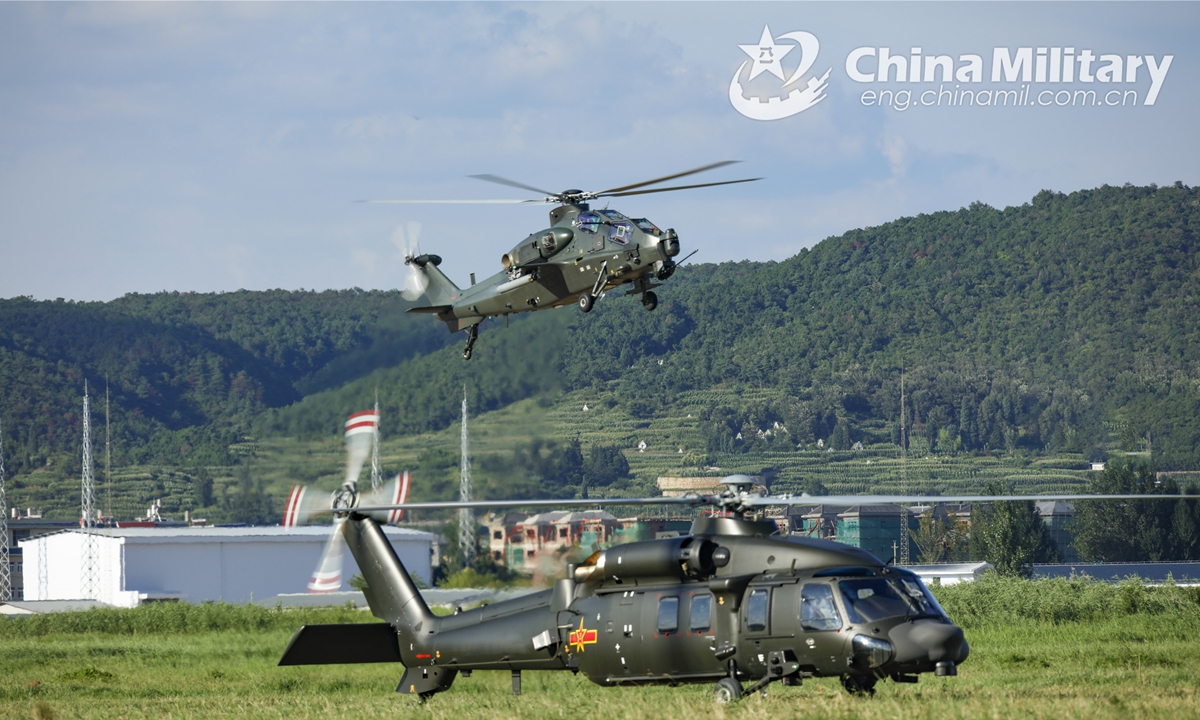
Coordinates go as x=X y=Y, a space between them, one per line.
x=727 y=691
x=586 y=301
x=649 y=300
x=472 y=336
x=858 y=684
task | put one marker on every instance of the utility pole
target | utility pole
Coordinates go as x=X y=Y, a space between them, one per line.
x=5 y=572
x=89 y=582
x=466 y=518
x=903 y=475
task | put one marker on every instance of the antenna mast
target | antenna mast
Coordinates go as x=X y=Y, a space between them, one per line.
x=466 y=519
x=89 y=581
x=903 y=475
x=376 y=469
x=5 y=573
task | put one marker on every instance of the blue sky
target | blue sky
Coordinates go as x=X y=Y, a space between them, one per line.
x=217 y=146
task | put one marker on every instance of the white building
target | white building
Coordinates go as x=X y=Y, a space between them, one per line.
x=950 y=573
x=196 y=564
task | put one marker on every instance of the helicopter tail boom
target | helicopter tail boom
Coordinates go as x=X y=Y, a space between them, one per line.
x=441 y=290
x=390 y=591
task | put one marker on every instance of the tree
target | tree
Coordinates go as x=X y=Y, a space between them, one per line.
x=938 y=538
x=569 y=465
x=605 y=464
x=1010 y=535
x=841 y=437
x=1127 y=530
x=202 y=486
x=248 y=503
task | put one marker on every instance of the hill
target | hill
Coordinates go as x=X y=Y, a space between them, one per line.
x=1062 y=328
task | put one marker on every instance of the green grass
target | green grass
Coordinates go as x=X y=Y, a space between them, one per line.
x=1125 y=659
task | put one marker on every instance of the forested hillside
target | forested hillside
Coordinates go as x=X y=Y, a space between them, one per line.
x=187 y=373
x=1067 y=324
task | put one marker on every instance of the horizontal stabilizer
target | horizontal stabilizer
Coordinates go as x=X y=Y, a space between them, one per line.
x=431 y=309
x=342 y=644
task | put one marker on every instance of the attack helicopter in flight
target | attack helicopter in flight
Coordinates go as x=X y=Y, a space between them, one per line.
x=581 y=255
x=732 y=602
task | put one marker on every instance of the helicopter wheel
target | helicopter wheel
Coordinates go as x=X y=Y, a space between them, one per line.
x=858 y=685
x=586 y=301
x=649 y=300
x=467 y=354
x=727 y=690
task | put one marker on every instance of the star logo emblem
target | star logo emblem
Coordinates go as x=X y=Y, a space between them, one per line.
x=581 y=637
x=766 y=55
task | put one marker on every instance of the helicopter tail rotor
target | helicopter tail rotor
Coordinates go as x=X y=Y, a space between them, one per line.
x=406 y=241
x=303 y=504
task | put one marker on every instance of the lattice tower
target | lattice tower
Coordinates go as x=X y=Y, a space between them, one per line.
x=903 y=475
x=376 y=468
x=107 y=457
x=90 y=579
x=466 y=518
x=6 y=588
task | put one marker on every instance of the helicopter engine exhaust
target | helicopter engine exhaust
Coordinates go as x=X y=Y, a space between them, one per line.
x=683 y=557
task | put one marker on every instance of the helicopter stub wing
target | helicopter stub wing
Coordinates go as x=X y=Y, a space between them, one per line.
x=431 y=309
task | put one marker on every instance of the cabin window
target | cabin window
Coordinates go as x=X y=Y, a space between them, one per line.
x=497 y=535
x=562 y=532
x=668 y=614
x=817 y=611
x=620 y=233
x=589 y=222
x=756 y=611
x=701 y=614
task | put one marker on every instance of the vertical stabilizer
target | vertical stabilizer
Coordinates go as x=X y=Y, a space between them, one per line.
x=390 y=591
x=441 y=290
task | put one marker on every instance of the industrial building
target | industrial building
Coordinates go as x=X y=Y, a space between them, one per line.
x=231 y=564
x=22 y=527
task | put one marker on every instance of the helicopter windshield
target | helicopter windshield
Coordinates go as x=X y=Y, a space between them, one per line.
x=589 y=222
x=871 y=599
x=647 y=227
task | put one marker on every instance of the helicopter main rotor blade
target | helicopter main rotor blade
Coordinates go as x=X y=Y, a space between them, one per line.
x=665 y=178
x=677 y=187
x=507 y=504
x=511 y=183
x=755 y=501
x=770 y=501
x=455 y=202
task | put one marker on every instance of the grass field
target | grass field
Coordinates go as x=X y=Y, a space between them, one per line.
x=1099 y=652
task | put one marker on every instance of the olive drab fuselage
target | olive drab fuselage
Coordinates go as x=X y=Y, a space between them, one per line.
x=583 y=252
x=729 y=600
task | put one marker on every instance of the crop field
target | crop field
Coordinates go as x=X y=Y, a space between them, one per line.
x=674 y=440
x=1046 y=649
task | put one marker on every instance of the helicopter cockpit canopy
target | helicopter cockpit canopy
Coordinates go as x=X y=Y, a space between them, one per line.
x=646 y=226
x=589 y=222
x=877 y=598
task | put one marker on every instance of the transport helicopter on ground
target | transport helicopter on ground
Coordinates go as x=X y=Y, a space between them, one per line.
x=730 y=603
x=582 y=254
